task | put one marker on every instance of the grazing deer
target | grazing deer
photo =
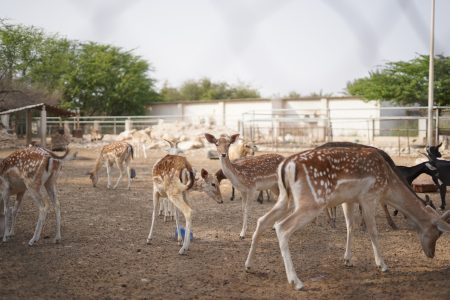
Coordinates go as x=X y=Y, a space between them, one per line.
x=256 y=173
x=120 y=153
x=313 y=180
x=30 y=169
x=173 y=176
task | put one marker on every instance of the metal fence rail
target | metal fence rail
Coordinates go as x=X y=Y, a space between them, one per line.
x=288 y=128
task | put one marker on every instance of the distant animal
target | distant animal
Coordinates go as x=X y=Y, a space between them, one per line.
x=119 y=153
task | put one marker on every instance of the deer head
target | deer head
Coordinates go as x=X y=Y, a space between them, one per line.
x=210 y=185
x=93 y=176
x=222 y=143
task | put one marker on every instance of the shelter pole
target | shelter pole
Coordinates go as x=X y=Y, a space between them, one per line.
x=43 y=126
x=28 y=120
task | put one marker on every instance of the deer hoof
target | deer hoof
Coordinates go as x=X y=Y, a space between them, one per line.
x=241 y=237
x=297 y=285
x=182 y=251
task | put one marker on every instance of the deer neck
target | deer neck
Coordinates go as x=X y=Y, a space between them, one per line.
x=229 y=170
x=98 y=164
x=405 y=201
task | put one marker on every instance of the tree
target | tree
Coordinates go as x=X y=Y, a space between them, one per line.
x=98 y=79
x=108 y=80
x=405 y=82
x=205 y=89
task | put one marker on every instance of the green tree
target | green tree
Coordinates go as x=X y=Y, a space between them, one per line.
x=110 y=81
x=405 y=82
x=205 y=89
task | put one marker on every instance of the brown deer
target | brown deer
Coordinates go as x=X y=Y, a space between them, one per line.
x=313 y=180
x=29 y=170
x=119 y=153
x=173 y=176
x=254 y=174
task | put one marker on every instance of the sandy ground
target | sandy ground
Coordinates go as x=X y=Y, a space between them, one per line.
x=104 y=255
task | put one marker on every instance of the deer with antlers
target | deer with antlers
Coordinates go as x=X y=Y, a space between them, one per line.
x=173 y=177
x=313 y=180
x=254 y=174
x=119 y=153
x=30 y=169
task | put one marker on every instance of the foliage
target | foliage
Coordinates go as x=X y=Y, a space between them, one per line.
x=98 y=79
x=108 y=80
x=405 y=82
x=205 y=89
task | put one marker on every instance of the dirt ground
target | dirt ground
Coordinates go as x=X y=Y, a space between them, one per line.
x=104 y=255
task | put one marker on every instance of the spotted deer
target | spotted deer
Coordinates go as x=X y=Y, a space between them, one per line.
x=254 y=174
x=313 y=180
x=119 y=153
x=173 y=177
x=29 y=170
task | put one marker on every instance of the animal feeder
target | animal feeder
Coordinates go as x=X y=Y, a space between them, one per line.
x=424 y=187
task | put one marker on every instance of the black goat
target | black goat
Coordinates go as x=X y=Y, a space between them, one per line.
x=442 y=179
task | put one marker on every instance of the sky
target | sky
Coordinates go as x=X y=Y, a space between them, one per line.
x=275 y=46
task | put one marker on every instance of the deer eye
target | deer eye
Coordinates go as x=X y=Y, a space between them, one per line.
x=213 y=184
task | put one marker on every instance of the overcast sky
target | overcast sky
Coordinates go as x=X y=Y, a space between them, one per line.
x=276 y=46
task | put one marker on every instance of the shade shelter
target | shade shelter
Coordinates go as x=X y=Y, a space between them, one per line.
x=43 y=108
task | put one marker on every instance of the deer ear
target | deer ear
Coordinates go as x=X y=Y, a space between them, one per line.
x=210 y=138
x=204 y=173
x=234 y=137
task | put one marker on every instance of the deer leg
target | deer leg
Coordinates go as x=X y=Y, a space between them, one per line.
x=249 y=195
x=388 y=217
x=108 y=173
x=301 y=216
x=120 y=167
x=186 y=210
x=17 y=203
x=348 y=214
x=260 y=198
x=368 y=210
x=267 y=221
x=6 y=214
x=50 y=186
x=155 y=205
x=128 y=175
x=43 y=210
x=178 y=228
x=232 y=193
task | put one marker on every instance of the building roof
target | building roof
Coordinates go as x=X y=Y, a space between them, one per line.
x=50 y=108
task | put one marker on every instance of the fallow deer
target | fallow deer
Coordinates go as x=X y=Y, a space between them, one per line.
x=256 y=173
x=313 y=180
x=175 y=190
x=30 y=169
x=119 y=153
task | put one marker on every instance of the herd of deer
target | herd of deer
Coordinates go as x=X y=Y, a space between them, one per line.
x=307 y=184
